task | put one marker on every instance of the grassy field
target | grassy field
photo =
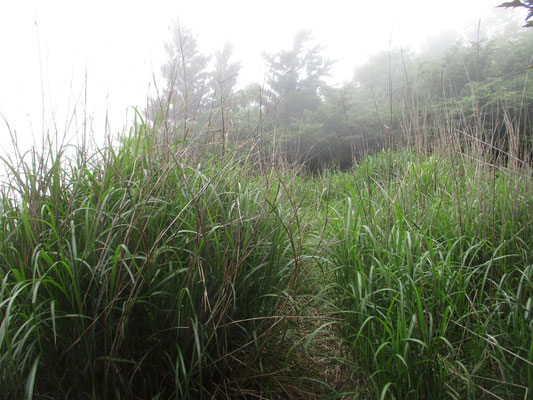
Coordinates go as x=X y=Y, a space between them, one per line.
x=138 y=272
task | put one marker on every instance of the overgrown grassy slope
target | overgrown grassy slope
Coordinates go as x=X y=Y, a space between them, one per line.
x=135 y=273
x=127 y=274
x=432 y=277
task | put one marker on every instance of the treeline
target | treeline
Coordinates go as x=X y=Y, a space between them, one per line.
x=454 y=92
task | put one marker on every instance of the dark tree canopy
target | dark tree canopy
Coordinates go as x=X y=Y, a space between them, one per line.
x=527 y=4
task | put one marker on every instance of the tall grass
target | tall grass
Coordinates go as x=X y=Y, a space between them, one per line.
x=127 y=273
x=151 y=269
x=433 y=277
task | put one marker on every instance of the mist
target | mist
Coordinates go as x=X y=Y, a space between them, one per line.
x=280 y=200
x=65 y=58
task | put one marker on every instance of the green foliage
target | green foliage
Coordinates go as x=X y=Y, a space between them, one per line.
x=433 y=278
x=159 y=269
x=398 y=97
x=126 y=273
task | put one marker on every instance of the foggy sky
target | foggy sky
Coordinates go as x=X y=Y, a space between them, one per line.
x=50 y=49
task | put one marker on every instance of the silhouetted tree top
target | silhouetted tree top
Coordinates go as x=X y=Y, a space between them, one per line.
x=296 y=76
x=527 y=4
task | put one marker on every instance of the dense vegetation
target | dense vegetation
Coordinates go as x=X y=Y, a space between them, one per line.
x=473 y=85
x=127 y=273
x=199 y=257
x=433 y=276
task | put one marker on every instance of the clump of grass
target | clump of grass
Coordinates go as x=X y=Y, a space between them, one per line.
x=433 y=278
x=127 y=273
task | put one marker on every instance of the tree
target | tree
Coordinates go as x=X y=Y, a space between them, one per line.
x=184 y=95
x=222 y=84
x=224 y=77
x=296 y=77
x=527 y=4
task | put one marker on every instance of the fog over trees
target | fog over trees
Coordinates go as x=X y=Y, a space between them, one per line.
x=479 y=87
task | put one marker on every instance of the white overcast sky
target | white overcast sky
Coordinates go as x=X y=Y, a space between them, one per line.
x=48 y=46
